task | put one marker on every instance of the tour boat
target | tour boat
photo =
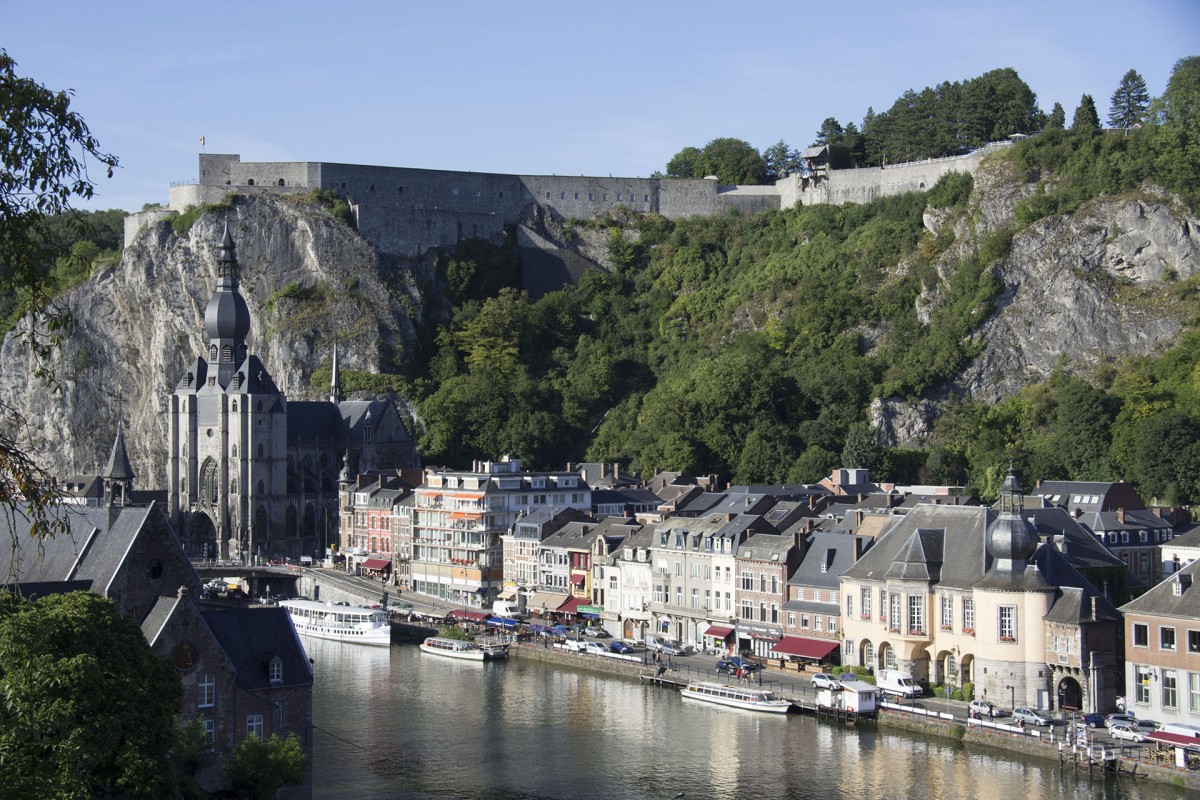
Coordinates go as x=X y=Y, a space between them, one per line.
x=737 y=697
x=460 y=648
x=357 y=624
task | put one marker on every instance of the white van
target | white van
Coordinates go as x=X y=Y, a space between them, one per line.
x=897 y=683
x=1179 y=729
x=503 y=608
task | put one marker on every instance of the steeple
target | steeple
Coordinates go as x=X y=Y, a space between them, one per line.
x=335 y=382
x=227 y=319
x=1011 y=540
x=118 y=474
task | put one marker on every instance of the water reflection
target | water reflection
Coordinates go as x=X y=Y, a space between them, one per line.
x=396 y=723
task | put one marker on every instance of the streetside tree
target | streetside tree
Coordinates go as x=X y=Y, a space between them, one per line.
x=86 y=709
x=45 y=150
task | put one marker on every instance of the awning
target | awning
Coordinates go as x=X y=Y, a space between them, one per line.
x=507 y=594
x=502 y=622
x=1176 y=739
x=803 y=647
x=578 y=580
x=376 y=563
x=469 y=616
x=572 y=605
x=547 y=600
x=718 y=631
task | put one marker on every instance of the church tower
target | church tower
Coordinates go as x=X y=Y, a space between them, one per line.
x=118 y=474
x=228 y=436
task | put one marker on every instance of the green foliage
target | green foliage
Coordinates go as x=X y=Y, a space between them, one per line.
x=256 y=769
x=968 y=691
x=86 y=709
x=733 y=161
x=952 y=190
x=182 y=223
x=1086 y=119
x=1130 y=101
x=1057 y=119
x=328 y=199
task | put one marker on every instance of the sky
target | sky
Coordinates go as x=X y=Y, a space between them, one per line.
x=607 y=88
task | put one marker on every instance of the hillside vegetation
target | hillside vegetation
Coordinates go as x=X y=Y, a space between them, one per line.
x=751 y=347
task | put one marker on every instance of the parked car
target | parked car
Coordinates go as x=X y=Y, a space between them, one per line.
x=1123 y=730
x=982 y=708
x=592 y=648
x=617 y=646
x=1148 y=726
x=597 y=633
x=1029 y=716
x=1116 y=719
x=734 y=664
x=1094 y=720
x=673 y=648
x=1120 y=704
x=825 y=680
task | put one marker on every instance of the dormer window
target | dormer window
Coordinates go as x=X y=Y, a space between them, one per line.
x=275 y=670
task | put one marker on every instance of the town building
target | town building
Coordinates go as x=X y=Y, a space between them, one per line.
x=764 y=563
x=812 y=610
x=958 y=594
x=1162 y=650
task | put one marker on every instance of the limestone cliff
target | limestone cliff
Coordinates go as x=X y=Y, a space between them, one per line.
x=1077 y=289
x=308 y=280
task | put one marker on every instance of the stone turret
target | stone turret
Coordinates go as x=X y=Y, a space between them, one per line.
x=118 y=474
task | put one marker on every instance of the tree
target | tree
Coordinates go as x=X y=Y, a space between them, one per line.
x=45 y=149
x=1130 y=101
x=257 y=769
x=1182 y=97
x=1057 y=119
x=684 y=164
x=778 y=159
x=86 y=709
x=733 y=161
x=1086 y=119
x=830 y=132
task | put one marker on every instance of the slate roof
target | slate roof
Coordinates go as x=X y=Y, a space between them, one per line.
x=964 y=530
x=827 y=557
x=920 y=557
x=250 y=638
x=1161 y=600
x=118 y=467
x=309 y=420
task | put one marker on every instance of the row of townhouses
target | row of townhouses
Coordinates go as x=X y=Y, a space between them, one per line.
x=1044 y=599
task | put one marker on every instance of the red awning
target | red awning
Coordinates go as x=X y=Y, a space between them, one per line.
x=803 y=647
x=470 y=616
x=578 y=580
x=718 y=631
x=572 y=605
x=376 y=563
x=1177 y=739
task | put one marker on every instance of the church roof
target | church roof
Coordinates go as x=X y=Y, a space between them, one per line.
x=251 y=637
x=118 y=468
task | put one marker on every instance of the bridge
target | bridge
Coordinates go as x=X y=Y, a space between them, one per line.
x=262 y=579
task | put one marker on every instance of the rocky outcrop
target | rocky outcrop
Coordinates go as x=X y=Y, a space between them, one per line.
x=1076 y=289
x=308 y=280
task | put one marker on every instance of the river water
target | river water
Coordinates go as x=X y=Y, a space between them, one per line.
x=396 y=723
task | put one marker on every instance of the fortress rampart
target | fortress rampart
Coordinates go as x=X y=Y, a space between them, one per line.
x=407 y=211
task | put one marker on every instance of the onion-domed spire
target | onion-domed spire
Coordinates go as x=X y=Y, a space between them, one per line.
x=227 y=319
x=1011 y=540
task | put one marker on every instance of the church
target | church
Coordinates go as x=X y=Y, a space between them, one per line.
x=252 y=475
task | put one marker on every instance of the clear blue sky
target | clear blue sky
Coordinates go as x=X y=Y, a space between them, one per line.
x=609 y=87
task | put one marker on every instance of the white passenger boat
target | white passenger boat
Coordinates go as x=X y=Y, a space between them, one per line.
x=460 y=648
x=737 y=697
x=357 y=624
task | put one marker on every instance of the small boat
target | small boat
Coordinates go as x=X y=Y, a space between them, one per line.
x=357 y=624
x=737 y=697
x=460 y=648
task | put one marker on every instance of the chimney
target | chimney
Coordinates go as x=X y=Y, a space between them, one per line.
x=812 y=502
x=1077 y=513
x=1121 y=515
x=616 y=471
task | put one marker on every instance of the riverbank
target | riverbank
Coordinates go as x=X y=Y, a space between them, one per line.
x=971 y=736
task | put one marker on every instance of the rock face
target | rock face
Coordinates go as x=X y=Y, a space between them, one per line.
x=1077 y=288
x=308 y=280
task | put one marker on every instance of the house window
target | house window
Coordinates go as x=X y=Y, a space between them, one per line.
x=804 y=622
x=679 y=596
x=849 y=605
x=1170 y=694
x=1194 y=642
x=894 y=612
x=883 y=606
x=791 y=619
x=968 y=616
x=1141 y=634
x=254 y=726
x=1193 y=692
x=207 y=688
x=695 y=597
x=866 y=603
x=774 y=613
x=1008 y=623
x=818 y=622
x=889 y=658
x=848 y=652
x=747 y=610
x=1166 y=639
x=210 y=733
x=747 y=581
x=275 y=670
x=947 y=603
x=833 y=624
x=916 y=615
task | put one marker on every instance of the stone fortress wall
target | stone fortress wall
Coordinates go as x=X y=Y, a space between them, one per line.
x=407 y=211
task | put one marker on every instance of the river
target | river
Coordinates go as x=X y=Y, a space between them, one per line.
x=396 y=723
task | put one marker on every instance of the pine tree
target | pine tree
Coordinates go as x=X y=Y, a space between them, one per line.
x=1058 y=118
x=1130 y=101
x=1086 y=120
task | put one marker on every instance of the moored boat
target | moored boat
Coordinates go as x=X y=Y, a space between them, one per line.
x=356 y=624
x=737 y=697
x=460 y=648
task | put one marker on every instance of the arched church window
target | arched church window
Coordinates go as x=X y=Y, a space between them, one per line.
x=237 y=380
x=233 y=486
x=291 y=521
x=260 y=451
x=226 y=355
x=208 y=480
x=183 y=485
